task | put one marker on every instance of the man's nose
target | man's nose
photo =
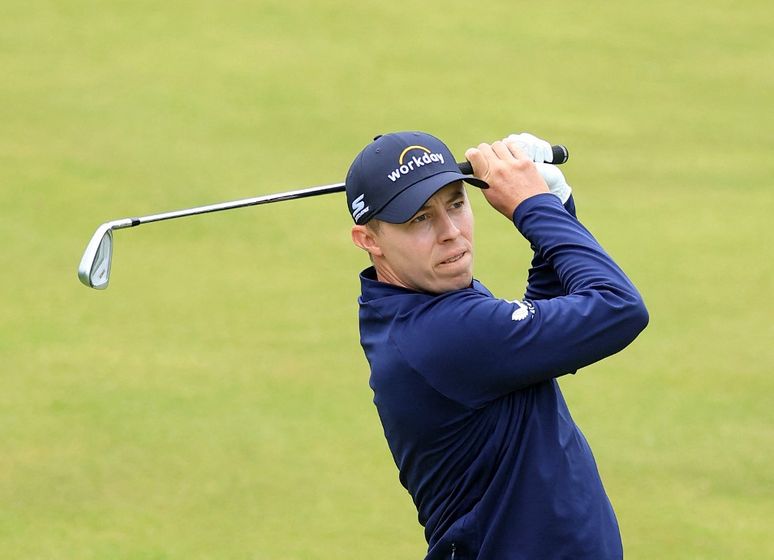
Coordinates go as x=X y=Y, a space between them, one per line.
x=446 y=228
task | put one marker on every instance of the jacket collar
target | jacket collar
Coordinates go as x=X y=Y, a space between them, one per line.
x=371 y=288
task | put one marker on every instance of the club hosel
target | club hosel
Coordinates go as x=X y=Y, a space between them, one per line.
x=124 y=223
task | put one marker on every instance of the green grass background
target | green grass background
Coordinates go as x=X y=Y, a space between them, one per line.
x=213 y=402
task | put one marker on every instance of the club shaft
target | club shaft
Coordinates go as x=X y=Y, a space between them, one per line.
x=220 y=206
x=560 y=156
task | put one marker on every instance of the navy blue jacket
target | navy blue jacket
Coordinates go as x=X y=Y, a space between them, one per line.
x=465 y=387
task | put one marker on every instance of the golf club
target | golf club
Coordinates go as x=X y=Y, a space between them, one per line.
x=94 y=268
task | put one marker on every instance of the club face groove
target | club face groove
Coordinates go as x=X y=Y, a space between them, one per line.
x=94 y=269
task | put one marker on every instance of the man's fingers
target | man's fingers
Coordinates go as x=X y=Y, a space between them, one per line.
x=517 y=152
x=483 y=156
x=485 y=149
x=502 y=150
x=526 y=147
x=536 y=148
x=523 y=143
x=478 y=160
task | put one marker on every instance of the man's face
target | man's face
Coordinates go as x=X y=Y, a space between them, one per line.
x=433 y=251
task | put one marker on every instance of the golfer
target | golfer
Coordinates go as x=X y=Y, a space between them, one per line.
x=464 y=381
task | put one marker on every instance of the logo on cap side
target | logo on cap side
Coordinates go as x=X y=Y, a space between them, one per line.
x=407 y=166
x=403 y=153
x=359 y=207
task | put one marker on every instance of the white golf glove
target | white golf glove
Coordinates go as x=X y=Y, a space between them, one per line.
x=540 y=152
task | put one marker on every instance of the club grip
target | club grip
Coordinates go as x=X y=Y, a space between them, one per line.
x=560 y=153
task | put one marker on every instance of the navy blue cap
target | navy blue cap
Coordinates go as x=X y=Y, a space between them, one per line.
x=393 y=177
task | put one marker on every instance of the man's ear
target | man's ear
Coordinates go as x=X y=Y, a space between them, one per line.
x=365 y=238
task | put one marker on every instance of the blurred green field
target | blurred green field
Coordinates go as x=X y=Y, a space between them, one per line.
x=214 y=403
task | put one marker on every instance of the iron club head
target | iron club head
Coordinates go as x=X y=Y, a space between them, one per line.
x=94 y=269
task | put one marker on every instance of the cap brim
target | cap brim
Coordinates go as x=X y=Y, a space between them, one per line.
x=408 y=202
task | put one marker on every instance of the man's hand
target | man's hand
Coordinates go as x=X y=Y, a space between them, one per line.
x=510 y=173
x=537 y=149
x=540 y=151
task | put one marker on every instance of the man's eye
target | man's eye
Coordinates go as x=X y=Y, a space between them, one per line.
x=420 y=218
x=458 y=204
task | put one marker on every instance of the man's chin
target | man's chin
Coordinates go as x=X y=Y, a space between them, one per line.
x=456 y=282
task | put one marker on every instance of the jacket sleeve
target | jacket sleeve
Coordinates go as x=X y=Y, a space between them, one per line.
x=542 y=280
x=475 y=348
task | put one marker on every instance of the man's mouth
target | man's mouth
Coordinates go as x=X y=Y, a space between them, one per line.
x=455 y=258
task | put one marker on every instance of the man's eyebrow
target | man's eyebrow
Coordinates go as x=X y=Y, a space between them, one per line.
x=421 y=209
x=456 y=193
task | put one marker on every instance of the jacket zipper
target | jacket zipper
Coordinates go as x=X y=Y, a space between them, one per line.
x=454 y=550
